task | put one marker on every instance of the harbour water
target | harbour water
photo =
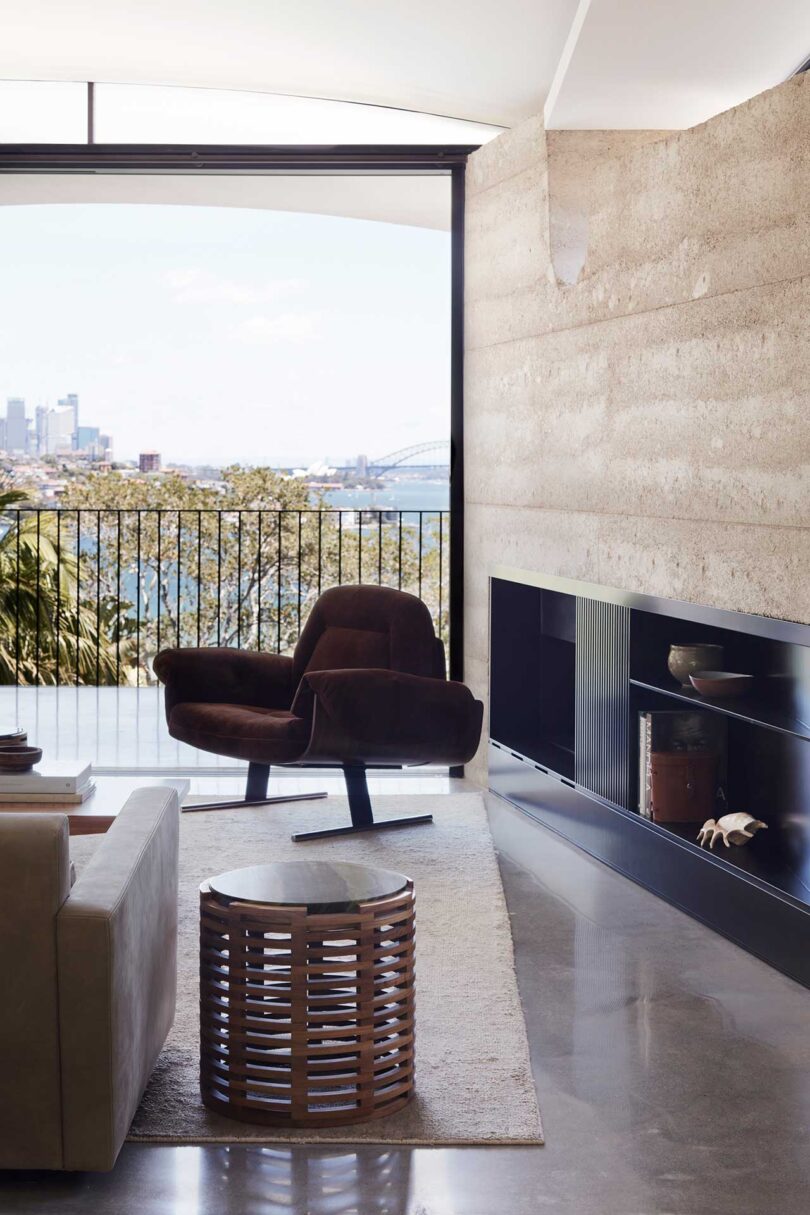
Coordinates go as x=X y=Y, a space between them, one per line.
x=407 y=495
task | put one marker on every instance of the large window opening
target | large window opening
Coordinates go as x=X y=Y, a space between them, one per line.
x=218 y=396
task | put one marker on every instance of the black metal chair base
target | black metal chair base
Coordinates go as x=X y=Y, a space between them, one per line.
x=255 y=794
x=360 y=810
x=356 y=788
x=385 y=825
x=254 y=801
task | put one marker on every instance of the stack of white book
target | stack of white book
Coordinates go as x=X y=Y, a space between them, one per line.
x=67 y=782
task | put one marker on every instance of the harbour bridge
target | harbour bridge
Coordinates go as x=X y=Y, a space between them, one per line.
x=405 y=455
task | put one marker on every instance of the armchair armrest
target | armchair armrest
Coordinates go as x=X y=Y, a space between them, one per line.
x=388 y=717
x=116 y=937
x=221 y=675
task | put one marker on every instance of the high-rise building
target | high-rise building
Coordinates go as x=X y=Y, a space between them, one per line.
x=71 y=401
x=59 y=430
x=149 y=461
x=362 y=466
x=105 y=447
x=40 y=414
x=16 y=425
x=87 y=438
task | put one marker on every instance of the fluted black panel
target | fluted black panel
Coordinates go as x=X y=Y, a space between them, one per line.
x=602 y=699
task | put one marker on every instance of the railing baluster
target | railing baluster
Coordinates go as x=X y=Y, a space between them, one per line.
x=98 y=595
x=278 y=585
x=199 y=573
x=320 y=547
x=219 y=578
x=239 y=580
x=399 y=557
x=78 y=590
x=441 y=514
x=360 y=545
x=117 y=600
x=340 y=548
x=379 y=547
x=420 y=554
x=259 y=586
x=36 y=651
x=179 y=584
x=299 y=572
x=58 y=588
x=157 y=649
x=138 y=576
x=17 y=609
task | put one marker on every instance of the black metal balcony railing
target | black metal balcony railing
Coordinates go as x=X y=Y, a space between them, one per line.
x=90 y=596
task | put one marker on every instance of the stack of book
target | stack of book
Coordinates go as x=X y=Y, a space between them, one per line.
x=60 y=783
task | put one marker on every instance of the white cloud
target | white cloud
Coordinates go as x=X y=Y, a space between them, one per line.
x=197 y=286
x=286 y=327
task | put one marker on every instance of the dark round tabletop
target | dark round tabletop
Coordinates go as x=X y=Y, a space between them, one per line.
x=321 y=886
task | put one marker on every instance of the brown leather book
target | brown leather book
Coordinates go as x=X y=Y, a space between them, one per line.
x=683 y=786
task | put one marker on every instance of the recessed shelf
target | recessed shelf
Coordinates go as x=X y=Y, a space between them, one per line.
x=565 y=710
x=765 y=859
x=747 y=710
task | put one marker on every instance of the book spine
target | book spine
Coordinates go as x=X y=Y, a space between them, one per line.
x=47 y=799
x=648 y=768
x=25 y=783
x=644 y=762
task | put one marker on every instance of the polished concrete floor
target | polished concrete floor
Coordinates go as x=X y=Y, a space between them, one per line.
x=672 y=1070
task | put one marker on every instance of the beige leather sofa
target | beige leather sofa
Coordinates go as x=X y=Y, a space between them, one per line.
x=89 y=981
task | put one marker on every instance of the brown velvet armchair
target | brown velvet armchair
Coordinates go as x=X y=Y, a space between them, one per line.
x=365 y=687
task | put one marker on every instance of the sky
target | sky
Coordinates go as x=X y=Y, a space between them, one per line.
x=217 y=335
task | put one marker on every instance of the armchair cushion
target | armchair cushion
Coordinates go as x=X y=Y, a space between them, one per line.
x=241 y=731
x=380 y=716
x=368 y=627
x=221 y=675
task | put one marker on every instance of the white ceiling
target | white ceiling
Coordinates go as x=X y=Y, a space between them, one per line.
x=475 y=59
x=670 y=64
x=421 y=202
x=606 y=63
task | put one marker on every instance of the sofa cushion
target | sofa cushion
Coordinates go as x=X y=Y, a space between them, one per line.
x=34 y=884
x=117 y=965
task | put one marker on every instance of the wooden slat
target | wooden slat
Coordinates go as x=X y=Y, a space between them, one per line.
x=306 y=1019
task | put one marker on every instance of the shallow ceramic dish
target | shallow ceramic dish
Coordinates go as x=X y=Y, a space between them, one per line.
x=19 y=759
x=718 y=684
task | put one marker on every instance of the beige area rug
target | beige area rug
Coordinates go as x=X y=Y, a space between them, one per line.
x=473 y=1078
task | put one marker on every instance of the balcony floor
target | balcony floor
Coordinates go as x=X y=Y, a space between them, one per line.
x=123 y=731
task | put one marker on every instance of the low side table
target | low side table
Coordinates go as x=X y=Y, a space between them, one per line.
x=307 y=993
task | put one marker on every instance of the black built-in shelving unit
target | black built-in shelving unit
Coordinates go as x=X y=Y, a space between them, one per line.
x=573 y=664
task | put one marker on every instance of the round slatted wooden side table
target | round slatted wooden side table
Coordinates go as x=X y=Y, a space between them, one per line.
x=307 y=993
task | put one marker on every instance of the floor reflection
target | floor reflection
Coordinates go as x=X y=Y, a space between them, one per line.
x=319 y=1181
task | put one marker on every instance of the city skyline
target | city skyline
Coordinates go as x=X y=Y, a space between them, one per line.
x=274 y=338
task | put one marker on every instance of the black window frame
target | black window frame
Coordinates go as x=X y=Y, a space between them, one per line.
x=307 y=159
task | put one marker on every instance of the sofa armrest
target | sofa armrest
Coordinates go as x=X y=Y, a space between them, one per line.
x=388 y=717
x=117 y=965
x=34 y=883
x=221 y=675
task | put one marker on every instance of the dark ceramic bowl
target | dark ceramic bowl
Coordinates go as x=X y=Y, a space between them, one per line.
x=19 y=759
x=717 y=684
x=13 y=738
